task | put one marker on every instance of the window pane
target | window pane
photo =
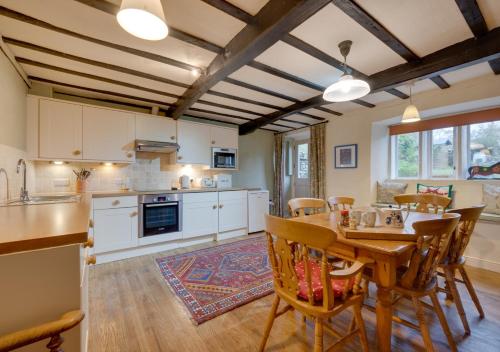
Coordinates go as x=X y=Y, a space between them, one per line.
x=303 y=160
x=443 y=161
x=485 y=147
x=407 y=154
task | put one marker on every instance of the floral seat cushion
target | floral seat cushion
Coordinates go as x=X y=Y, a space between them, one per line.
x=317 y=287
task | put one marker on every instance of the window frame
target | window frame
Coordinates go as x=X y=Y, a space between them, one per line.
x=394 y=158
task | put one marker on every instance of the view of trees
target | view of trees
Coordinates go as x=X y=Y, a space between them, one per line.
x=485 y=143
x=407 y=155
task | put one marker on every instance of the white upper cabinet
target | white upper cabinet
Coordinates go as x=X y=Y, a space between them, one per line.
x=108 y=134
x=60 y=131
x=159 y=129
x=223 y=137
x=194 y=141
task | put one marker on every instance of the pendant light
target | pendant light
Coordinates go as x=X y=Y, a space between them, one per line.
x=347 y=87
x=411 y=112
x=143 y=18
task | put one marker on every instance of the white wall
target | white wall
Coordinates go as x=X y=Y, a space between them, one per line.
x=368 y=128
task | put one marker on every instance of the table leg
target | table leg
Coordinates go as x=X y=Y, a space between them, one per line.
x=384 y=318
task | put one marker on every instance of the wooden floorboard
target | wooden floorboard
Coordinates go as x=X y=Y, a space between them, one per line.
x=133 y=309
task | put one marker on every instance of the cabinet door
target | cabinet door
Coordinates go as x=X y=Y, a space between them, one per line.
x=224 y=137
x=258 y=206
x=60 y=134
x=199 y=214
x=108 y=135
x=194 y=142
x=115 y=229
x=232 y=210
x=159 y=129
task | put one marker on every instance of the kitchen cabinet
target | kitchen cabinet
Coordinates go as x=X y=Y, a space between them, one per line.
x=108 y=135
x=223 y=137
x=194 y=142
x=258 y=207
x=232 y=210
x=199 y=214
x=159 y=129
x=60 y=130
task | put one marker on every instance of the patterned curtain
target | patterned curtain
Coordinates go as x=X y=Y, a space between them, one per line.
x=279 y=161
x=317 y=161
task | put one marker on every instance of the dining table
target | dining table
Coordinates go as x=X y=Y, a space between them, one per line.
x=385 y=256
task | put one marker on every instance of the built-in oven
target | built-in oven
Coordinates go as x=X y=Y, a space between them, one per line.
x=224 y=158
x=159 y=214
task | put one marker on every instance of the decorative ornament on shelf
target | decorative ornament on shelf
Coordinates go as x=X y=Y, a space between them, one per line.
x=81 y=179
x=347 y=87
x=411 y=113
x=143 y=18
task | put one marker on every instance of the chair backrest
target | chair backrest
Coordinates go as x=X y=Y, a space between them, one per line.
x=283 y=236
x=335 y=202
x=298 y=206
x=432 y=245
x=463 y=232
x=423 y=201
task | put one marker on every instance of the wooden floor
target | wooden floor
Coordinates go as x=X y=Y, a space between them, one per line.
x=133 y=309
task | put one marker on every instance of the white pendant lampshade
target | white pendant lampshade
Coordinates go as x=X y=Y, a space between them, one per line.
x=345 y=89
x=410 y=114
x=143 y=18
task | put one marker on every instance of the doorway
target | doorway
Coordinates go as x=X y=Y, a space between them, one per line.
x=301 y=169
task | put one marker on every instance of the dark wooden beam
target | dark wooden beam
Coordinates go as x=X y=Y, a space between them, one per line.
x=297 y=122
x=112 y=9
x=314 y=117
x=228 y=107
x=25 y=61
x=495 y=66
x=272 y=22
x=107 y=92
x=231 y=10
x=144 y=54
x=397 y=93
x=105 y=65
x=230 y=116
x=363 y=103
x=244 y=100
x=440 y=82
x=322 y=108
x=259 y=89
x=473 y=16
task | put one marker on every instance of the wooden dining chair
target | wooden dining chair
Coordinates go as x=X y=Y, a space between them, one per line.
x=424 y=202
x=311 y=286
x=345 y=202
x=307 y=206
x=454 y=260
x=420 y=277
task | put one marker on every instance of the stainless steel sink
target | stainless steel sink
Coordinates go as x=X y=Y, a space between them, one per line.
x=49 y=199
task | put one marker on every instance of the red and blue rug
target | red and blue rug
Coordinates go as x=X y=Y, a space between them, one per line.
x=215 y=280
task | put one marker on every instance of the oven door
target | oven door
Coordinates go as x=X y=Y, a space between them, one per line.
x=159 y=218
x=224 y=159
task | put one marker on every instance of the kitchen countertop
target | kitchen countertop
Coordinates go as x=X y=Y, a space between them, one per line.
x=38 y=226
x=104 y=194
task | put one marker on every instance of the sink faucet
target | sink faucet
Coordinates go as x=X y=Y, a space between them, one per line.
x=24 y=192
x=2 y=170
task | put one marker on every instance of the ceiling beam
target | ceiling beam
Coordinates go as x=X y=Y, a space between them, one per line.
x=272 y=22
x=495 y=66
x=259 y=89
x=440 y=82
x=229 y=107
x=466 y=53
x=322 y=108
x=112 y=9
x=473 y=16
x=244 y=100
x=231 y=10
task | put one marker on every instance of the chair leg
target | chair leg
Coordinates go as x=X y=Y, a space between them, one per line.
x=471 y=290
x=318 y=335
x=450 y=280
x=361 y=326
x=423 y=325
x=442 y=320
x=270 y=321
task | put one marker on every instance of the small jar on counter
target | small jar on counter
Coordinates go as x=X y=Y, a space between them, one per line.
x=344 y=217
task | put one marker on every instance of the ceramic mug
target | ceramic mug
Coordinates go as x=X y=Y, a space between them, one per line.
x=356 y=215
x=369 y=218
x=392 y=217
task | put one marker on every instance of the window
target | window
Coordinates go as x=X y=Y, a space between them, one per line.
x=407 y=155
x=303 y=160
x=484 y=144
x=442 y=152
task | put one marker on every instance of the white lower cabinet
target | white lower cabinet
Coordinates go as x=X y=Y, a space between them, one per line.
x=115 y=228
x=199 y=214
x=232 y=210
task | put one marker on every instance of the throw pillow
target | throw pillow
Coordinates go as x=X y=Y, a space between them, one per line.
x=387 y=190
x=439 y=190
x=491 y=197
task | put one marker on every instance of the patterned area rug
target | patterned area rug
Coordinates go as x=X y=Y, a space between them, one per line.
x=215 y=280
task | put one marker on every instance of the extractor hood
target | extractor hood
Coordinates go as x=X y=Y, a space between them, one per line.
x=155 y=146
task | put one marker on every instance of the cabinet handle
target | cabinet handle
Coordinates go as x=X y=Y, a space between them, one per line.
x=90 y=260
x=89 y=243
x=132 y=214
x=172 y=138
x=115 y=202
x=179 y=157
x=213 y=142
x=77 y=152
x=221 y=206
x=129 y=155
x=91 y=224
x=214 y=206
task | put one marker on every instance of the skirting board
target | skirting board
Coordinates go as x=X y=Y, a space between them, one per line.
x=231 y=234
x=483 y=264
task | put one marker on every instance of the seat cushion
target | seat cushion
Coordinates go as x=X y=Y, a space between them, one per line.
x=317 y=287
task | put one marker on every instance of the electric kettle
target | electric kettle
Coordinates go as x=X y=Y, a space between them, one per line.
x=184 y=181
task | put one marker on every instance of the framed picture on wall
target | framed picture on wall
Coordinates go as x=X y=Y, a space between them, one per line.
x=346 y=156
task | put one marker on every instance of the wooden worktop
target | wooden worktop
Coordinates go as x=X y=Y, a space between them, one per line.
x=29 y=227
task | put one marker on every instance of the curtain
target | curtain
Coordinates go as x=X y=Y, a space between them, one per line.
x=279 y=162
x=317 y=161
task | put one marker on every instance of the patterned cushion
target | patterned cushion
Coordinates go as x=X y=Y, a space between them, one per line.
x=439 y=190
x=317 y=286
x=387 y=190
x=491 y=197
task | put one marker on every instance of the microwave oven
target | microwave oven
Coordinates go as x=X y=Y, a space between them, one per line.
x=224 y=158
